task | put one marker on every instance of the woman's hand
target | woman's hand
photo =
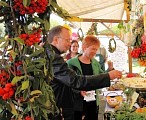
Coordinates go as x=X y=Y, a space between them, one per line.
x=83 y=93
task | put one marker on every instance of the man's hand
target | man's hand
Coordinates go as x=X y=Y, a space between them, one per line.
x=115 y=74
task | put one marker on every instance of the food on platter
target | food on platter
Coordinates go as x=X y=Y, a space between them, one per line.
x=116 y=86
x=134 y=82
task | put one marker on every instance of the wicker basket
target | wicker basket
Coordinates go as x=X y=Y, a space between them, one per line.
x=114 y=101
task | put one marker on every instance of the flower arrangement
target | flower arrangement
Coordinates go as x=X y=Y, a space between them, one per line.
x=139 y=47
x=25 y=70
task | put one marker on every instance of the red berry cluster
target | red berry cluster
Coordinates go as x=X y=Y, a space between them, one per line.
x=10 y=58
x=28 y=118
x=38 y=6
x=135 y=52
x=17 y=65
x=131 y=75
x=7 y=91
x=20 y=99
x=4 y=77
x=31 y=39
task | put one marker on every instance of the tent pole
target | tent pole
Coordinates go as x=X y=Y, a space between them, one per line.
x=77 y=19
x=130 y=59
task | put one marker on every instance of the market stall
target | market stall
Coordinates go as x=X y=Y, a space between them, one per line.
x=126 y=97
x=85 y=14
x=16 y=47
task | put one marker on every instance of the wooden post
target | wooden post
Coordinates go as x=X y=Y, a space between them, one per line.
x=130 y=59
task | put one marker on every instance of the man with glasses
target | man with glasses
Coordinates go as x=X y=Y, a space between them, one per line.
x=65 y=79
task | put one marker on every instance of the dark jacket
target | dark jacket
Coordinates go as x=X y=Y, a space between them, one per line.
x=65 y=79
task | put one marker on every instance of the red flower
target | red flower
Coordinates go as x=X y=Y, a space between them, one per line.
x=135 y=52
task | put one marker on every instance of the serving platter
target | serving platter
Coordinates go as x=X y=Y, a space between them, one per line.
x=134 y=82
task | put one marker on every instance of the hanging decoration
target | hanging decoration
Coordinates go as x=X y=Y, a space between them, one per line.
x=80 y=34
x=128 y=4
x=126 y=33
x=112 y=45
x=93 y=29
x=134 y=33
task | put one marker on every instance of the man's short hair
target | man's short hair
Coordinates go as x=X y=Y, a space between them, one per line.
x=55 y=31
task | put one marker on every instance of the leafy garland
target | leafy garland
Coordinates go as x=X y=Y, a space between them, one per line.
x=111 y=48
x=80 y=34
x=25 y=69
x=93 y=29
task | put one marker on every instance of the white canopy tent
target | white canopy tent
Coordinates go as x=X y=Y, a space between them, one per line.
x=101 y=11
x=106 y=13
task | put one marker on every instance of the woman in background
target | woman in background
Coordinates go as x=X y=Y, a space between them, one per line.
x=73 y=51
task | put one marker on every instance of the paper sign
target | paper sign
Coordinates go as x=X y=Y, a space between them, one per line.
x=133 y=99
x=90 y=96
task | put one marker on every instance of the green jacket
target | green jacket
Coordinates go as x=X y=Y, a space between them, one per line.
x=75 y=65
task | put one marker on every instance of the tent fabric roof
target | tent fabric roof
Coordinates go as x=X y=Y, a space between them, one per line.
x=101 y=9
x=94 y=9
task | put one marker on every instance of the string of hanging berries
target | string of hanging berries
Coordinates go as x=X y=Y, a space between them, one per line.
x=38 y=6
x=7 y=91
x=28 y=118
x=31 y=39
x=4 y=77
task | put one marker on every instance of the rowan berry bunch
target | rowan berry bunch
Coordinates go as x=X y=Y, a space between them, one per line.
x=7 y=91
x=18 y=64
x=4 y=77
x=28 y=118
x=31 y=39
x=10 y=58
x=24 y=62
x=38 y=6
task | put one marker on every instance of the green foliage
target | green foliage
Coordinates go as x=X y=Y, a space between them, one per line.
x=124 y=113
x=28 y=67
x=93 y=29
x=115 y=29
